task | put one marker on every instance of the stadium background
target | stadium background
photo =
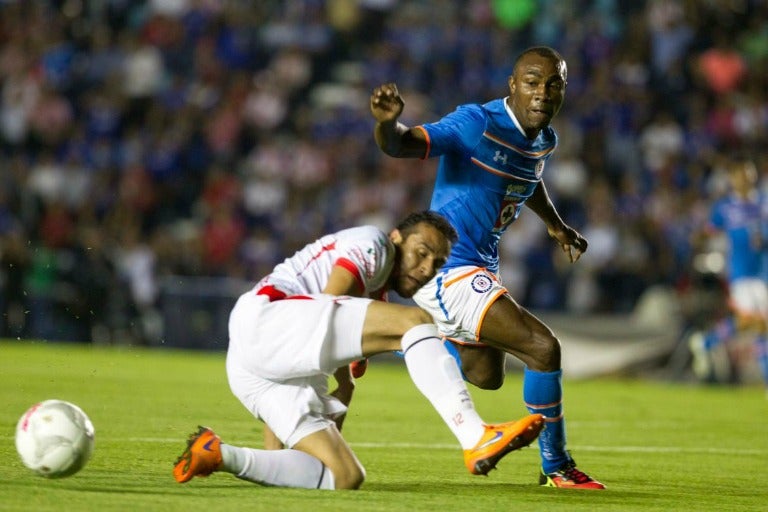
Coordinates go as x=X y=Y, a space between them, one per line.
x=157 y=156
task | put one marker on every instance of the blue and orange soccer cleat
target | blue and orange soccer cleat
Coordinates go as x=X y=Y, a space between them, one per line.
x=568 y=476
x=201 y=458
x=499 y=440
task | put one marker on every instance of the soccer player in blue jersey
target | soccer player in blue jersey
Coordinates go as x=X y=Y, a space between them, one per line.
x=742 y=216
x=492 y=159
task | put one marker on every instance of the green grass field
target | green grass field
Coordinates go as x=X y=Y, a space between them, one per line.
x=657 y=446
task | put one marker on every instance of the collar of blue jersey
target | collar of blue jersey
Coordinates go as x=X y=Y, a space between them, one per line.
x=512 y=117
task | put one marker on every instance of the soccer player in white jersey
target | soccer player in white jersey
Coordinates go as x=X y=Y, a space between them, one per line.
x=742 y=217
x=314 y=315
x=492 y=160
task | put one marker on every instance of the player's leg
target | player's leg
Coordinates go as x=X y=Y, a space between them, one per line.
x=301 y=415
x=206 y=454
x=274 y=369
x=509 y=326
x=761 y=338
x=332 y=450
x=320 y=460
x=761 y=356
x=471 y=305
x=749 y=301
x=429 y=363
x=436 y=374
x=481 y=365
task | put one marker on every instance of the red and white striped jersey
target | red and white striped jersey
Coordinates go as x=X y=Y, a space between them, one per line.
x=366 y=251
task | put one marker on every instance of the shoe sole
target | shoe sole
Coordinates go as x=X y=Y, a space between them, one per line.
x=484 y=466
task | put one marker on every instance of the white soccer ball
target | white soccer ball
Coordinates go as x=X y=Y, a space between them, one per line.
x=54 y=438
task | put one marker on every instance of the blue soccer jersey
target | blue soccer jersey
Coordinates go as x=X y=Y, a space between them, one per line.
x=743 y=221
x=487 y=170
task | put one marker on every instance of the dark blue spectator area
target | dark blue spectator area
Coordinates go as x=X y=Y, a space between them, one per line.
x=149 y=140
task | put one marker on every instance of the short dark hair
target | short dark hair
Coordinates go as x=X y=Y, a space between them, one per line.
x=434 y=219
x=544 y=51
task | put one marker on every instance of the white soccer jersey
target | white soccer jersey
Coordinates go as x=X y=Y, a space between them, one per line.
x=286 y=336
x=366 y=251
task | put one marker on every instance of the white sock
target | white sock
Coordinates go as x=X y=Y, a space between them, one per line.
x=437 y=376
x=278 y=468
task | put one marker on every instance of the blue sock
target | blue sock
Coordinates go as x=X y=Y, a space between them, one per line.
x=455 y=354
x=722 y=331
x=543 y=394
x=761 y=352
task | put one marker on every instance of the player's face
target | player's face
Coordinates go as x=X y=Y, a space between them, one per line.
x=536 y=91
x=743 y=176
x=421 y=254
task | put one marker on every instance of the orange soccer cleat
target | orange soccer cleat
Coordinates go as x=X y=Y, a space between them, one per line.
x=201 y=458
x=499 y=440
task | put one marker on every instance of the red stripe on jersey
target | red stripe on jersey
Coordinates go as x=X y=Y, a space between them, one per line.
x=274 y=294
x=331 y=246
x=352 y=268
x=271 y=292
x=429 y=142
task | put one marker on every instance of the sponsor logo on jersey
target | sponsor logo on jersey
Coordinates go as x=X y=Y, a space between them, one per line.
x=481 y=283
x=369 y=266
x=516 y=189
x=500 y=157
x=507 y=214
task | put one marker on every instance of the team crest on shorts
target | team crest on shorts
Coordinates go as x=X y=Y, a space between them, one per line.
x=481 y=283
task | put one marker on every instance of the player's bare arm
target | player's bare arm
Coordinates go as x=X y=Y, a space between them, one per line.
x=570 y=240
x=342 y=282
x=393 y=137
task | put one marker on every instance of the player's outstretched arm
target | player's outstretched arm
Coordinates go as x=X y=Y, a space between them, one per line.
x=570 y=240
x=393 y=137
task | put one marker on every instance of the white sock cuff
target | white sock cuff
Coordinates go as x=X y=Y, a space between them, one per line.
x=418 y=333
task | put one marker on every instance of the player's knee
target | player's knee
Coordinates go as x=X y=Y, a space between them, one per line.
x=550 y=353
x=351 y=477
x=418 y=316
x=484 y=378
x=544 y=353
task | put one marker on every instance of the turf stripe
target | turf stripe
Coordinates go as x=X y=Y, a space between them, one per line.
x=443 y=446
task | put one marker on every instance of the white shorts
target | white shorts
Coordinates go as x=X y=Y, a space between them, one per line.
x=458 y=300
x=749 y=297
x=281 y=354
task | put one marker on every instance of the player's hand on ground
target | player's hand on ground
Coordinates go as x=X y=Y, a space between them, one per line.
x=570 y=241
x=386 y=103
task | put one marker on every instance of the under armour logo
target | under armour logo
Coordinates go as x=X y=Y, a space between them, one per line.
x=500 y=157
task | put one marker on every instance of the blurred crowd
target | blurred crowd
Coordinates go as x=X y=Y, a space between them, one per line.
x=157 y=139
